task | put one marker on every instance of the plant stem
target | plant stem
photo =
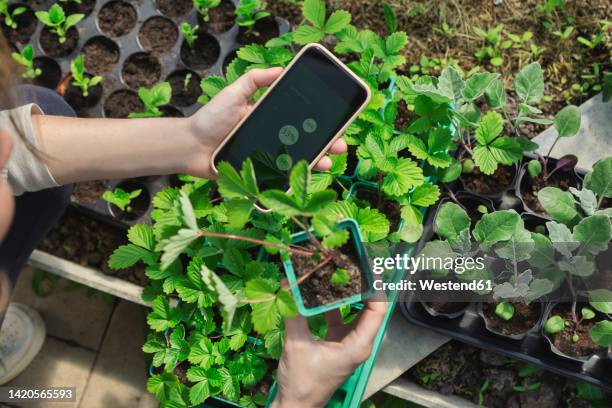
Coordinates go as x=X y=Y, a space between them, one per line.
x=546 y=175
x=301 y=252
x=321 y=264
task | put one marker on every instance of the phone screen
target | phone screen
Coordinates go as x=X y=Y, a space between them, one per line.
x=308 y=106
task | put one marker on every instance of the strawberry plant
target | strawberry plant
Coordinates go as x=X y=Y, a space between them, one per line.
x=9 y=15
x=26 y=60
x=314 y=12
x=81 y=79
x=121 y=198
x=153 y=98
x=58 y=22
x=204 y=6
x=249 y=12
x=190 y=33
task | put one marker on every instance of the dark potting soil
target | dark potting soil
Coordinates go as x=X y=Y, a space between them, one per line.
x=51 y=72
x=391 y=209
x=184 y=95
x=84 y=7
x=529 y=187
x=117 y=18
x=204 y=53
x=141 y=69
x=26 y=25
x=174 y=8
x=317 y=289
x=447 y=307
x=89 y=192
x=49 y=42
x=563 y=340
x=74 y=96
x=489 y=185
x=89 y=243
x=221 y=18
x=263 y=31
x=101 y=54
x=158 y=34
x=460 y=369
x=121 y=103
x=171 y=112
x=525 y=318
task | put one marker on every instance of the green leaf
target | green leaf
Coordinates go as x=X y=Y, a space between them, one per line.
x=601 y=333
x=554 y=324
x=529 y=83
x=390 y=18
x=234 y=185
x=127 y=255
x=558 y=204
x=590 y=393
x=286 y=304
x=567 y=121
x=340 y=277
x=175 y=245
x=314 y=11
x=395 y=42
x=199 y=392
x=451 y=82
x=162 y=316
x=254 y=53
x=600 y=179
x=319 y=200
x=405 y=175
x=161 y=385
x=505 y=310
x=477 y=84
x=72 y=20
x=489 y=128
x=484 y=159
x=450 y=220
x=425 y=195
x=239 y=212
x=298 y=181
x=142 y=235
x=601 y=300
x=228 y=301
x=496 y=95
x=587 y=313
x=593 y=233
x=496 y=226
x=336 y=239
x=339 y=20
x=280 y=202
x=306 y=34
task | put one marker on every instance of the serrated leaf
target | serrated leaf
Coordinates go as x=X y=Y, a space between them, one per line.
x=477 y=85
x=314 y=11
x=306 y=34
x=127 y=255
x=529 y=83
x=425 y=195
x=336 y=239
x=337 y=21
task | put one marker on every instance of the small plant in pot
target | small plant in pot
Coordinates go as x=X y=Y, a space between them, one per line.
x=26 y=60
x=9 y=15
x=256 y=24
x=153 y=99
x=122 y=200
x=59 y=37
x=544 y=171
x=203 y=7
x=190 y=33
x=80 y=89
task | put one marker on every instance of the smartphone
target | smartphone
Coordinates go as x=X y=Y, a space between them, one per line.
x=298 y=118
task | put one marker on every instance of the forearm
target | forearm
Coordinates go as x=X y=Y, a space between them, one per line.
x=90 y=149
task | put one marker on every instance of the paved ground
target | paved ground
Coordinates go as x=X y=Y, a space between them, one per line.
x=92 y=344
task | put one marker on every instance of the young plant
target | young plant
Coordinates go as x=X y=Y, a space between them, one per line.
x=82 y=80
x=249 y=12
x=320 y=26
x=190 y=33
x=121 y=198
x=187 y=81
x=58 y=22
x=26 y=60
x=204 y=6
x=492 y=50
x=9 y=16
x=153 y=98
x=259 y=56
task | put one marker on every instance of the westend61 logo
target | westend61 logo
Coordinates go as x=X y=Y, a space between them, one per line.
x=427 y=263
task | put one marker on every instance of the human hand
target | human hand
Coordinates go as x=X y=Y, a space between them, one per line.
x=218 y=117
x=310 y=371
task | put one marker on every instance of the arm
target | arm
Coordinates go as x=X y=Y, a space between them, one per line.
x=91 y=149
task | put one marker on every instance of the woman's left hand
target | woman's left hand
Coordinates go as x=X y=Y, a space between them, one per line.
x=218 y=117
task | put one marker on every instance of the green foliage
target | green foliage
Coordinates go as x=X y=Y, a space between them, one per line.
x=58 y=22
x=554 y=324
x=504 y=310
x=9 y=15
x=320 y=26
x=249 y=12
x=340 y=277
x=190 y=33
x=121 y=198
x=26 y=60
x=259 y=56
x=153 y=98
x=81 y=79
x=203 y=7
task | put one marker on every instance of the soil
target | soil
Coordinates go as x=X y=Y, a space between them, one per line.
x=221 y=18
x=86 y=7
x=137 y=207
x=525 y=318
x=74 y=97
x=158 y=35
x=51 y=72
x=317 y=289
x=171 y=112
x=117 y=18
x=181 y=95
x=141 y=69
x=121 y=103
x=563 y=340
x=174 y=8
x=447 y=307
x=529 y=187
x=89 y=192
x=204 y=53
x=496 y=183
x=403 y=115
x=26 y=25
x=461 y=369
x=49 y=42
x=263 y=31
x=101 y=54
x=90 y=243
x=391 y=209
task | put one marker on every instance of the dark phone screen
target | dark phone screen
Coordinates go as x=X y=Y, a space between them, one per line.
x=296 y=120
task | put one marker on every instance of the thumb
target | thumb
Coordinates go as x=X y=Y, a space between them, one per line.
x=250 y=82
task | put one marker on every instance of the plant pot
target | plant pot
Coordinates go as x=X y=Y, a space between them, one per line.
x=489 y=186
x=514 y=336
x=556 y=350
x=459 y=310
x=139 y=205
x=356 y=241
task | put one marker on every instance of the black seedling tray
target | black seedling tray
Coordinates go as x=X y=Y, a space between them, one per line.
x=470 y=327
x=129 y=44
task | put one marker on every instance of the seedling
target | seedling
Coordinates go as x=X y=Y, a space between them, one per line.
x=190 y=33
x=505 y=310
x=26 y=60
x=320 y=26
x=57 y=20
x=565 y=34
x=204 y=6
x=427 y=378
x=153 y=98
x=593 y=42
x=187 y=80
x=82 y=80
x=249 y=12
x=9 y=16
x=491 y=51
x=121 y=198
x=341 y=277
x=556 y=324
x=481 y=392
